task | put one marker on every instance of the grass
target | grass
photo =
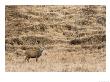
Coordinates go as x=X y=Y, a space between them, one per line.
x=74 y=38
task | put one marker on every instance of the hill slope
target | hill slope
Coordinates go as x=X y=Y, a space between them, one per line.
x=74 y=37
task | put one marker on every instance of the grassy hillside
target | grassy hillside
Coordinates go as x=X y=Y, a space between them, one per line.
x=74 y=37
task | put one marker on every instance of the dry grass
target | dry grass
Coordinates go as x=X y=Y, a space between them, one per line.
x=74 y=38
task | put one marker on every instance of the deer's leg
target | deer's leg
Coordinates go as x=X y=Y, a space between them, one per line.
x=36 y=59
x=27 y=58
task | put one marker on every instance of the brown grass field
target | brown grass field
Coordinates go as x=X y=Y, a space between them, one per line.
x=74 y=38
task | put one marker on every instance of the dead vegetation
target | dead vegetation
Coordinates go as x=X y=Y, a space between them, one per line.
x=74 y=37
x=96 y=39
